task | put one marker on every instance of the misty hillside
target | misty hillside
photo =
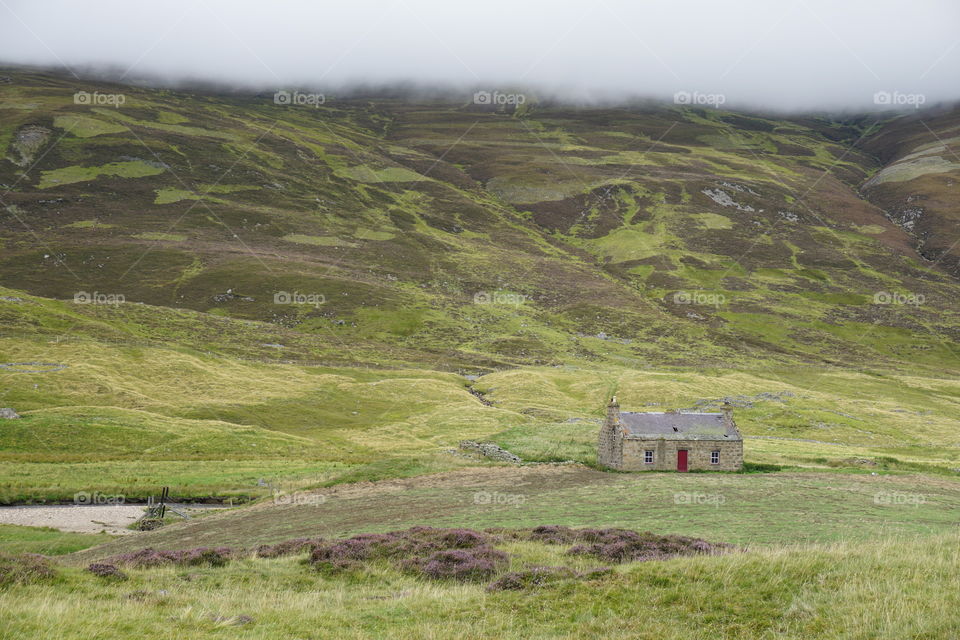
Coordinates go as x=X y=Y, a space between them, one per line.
x=444 y=233
x=424 y=320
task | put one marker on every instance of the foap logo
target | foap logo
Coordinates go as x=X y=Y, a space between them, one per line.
x=895 y=498
x=692 y=497
x=96 y=497
x=298 y=99
x=697 y=99
x=699 y=298
x=885 y=297
x=495 y=98
x=97 y=99
x=497 y=498
x=500 y=297
x=83 y=297
x=286 y=297
x=898 y=99
x=299 y=498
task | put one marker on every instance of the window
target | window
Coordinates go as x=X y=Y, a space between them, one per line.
x=648 y=456
x=714 y=457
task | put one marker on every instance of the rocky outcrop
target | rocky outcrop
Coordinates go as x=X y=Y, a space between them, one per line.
x=27 y=142
x=490 y=450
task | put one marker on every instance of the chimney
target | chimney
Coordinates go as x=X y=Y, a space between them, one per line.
x=727 y=414
x=613 y=411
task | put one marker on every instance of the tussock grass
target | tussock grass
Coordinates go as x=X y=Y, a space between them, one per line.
x=872 y=590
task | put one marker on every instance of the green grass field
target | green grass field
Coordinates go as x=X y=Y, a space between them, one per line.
x=47 y=541
x=128 y=420
x=789 y=592
x=765 y=509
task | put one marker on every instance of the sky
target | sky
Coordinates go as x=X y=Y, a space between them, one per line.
x=777 y=54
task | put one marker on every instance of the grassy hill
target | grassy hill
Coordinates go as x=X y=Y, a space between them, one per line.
x=916 y=188
x=471 y=236
x=243 y=300
x=104 y=408
x=151 y=252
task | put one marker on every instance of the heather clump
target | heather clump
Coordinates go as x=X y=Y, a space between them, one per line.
x=453 y=554
x=24 y=568
x=477 y=563
x=105 y=570
x=214 y=557
x=618 y=545
x=460 y=554
x=552 y=534
x=288 y=547
x=622 y=545
x=530 y=578
x=350 y=553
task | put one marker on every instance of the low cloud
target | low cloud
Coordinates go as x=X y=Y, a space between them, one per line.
x=779 y=54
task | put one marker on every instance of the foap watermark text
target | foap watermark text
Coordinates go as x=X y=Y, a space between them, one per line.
x=498 y=99
x=693 y=497
x=498 y=498
x=295 y=297
x=895 y=498
x=711 y=299
x=299 y=498
x=97 y=99
x=96 y=497
x=299 y=99
x=885 y=297
x=698 y=99
x=499 y=297
x=898 y=99
x=85 y=297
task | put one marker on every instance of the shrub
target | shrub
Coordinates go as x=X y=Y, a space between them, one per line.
x=105 y=570
x=412 y=544
x=288 y=547
x=148 y=524
x=346 y=554
x=453 y=538
x=201 y=556
x=24 y=569
x=215 y=557
x=460 y=554
x=621 y=545
x=478 y=563
x=553 y=534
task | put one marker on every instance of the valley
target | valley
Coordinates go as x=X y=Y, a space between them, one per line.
x=299 y=312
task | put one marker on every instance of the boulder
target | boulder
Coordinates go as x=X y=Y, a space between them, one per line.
x=8 y=414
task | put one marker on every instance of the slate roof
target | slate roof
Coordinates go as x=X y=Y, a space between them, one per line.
x=677 y=426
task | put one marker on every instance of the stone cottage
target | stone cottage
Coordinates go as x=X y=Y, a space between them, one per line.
x=670 y=441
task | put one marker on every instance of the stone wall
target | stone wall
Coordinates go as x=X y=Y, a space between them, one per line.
x=609 y=446
x=490 y=450
x=665 y=454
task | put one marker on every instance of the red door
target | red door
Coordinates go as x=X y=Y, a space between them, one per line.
x=682 y=460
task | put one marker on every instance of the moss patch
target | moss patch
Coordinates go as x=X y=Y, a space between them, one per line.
x=71 y=175
x=85 y=126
